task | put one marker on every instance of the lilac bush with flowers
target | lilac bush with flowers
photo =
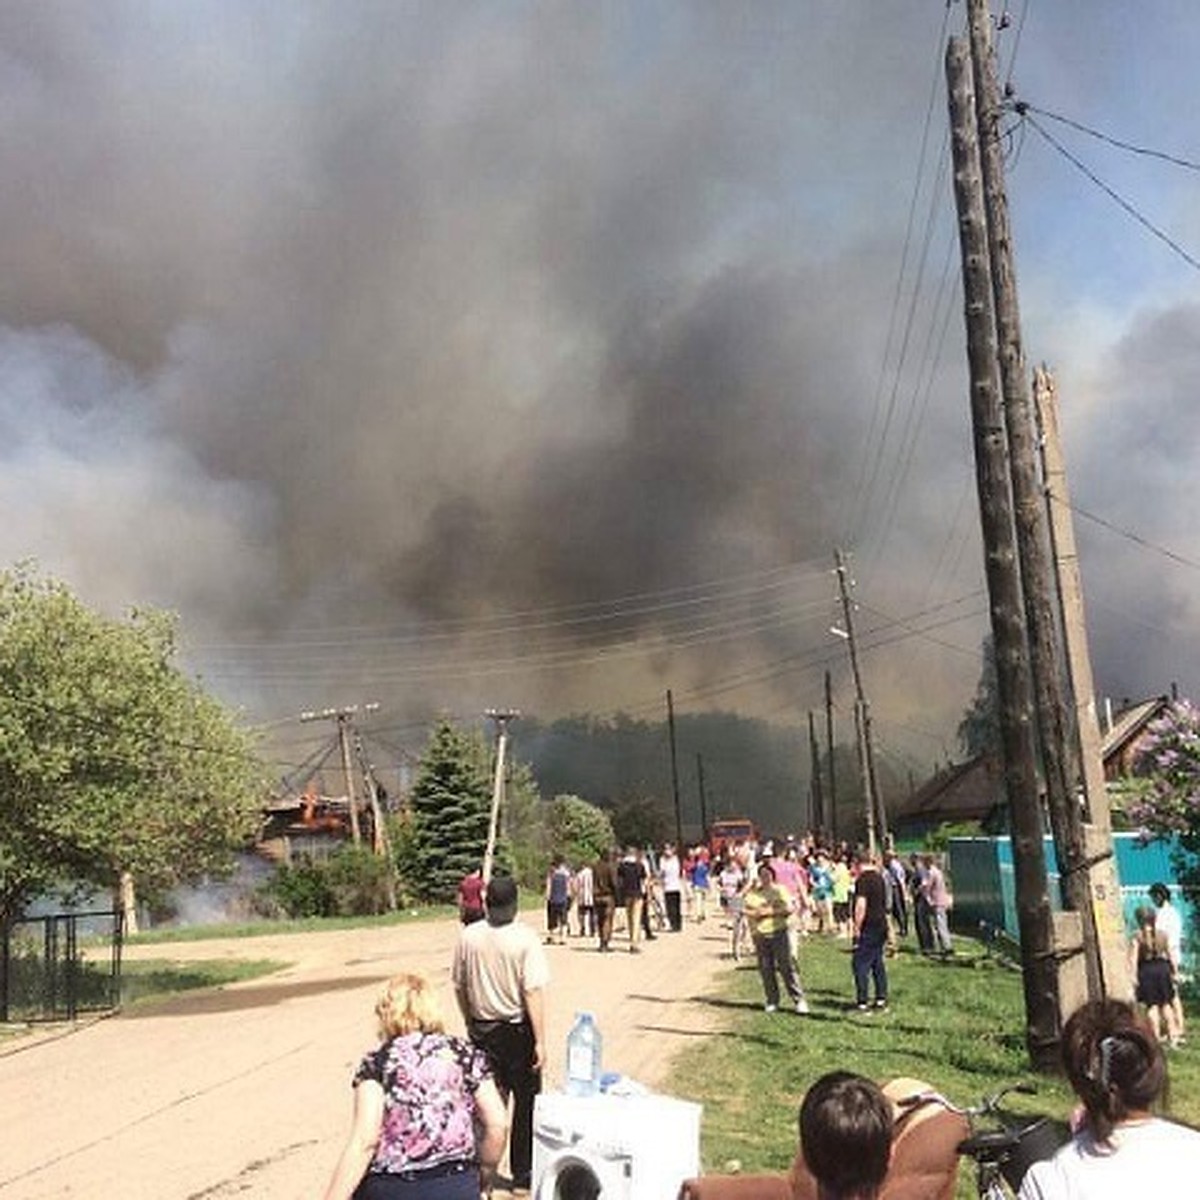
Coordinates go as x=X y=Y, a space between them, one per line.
x=1168 y=800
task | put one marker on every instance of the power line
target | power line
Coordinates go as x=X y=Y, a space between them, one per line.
x=869 y=463
x=1016 y=46
x=1021 y=107
x=636 y=604
x=1142 y=220
x=1129 y=535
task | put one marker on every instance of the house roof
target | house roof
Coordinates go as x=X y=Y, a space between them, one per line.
x=966 y=791
x=970 y=790
x=1129 y=725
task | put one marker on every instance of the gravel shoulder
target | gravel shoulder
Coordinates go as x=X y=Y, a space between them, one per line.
x=246 y=1090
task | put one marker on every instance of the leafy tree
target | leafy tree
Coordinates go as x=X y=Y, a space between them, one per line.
x=979 y=729
x=752 y=768
x=579 y=831
x=524 y=848
x=298 y=889
x=1165 y=795
x=641 y=822
x=1169 y=801
x=112 y=760
x=451 y=804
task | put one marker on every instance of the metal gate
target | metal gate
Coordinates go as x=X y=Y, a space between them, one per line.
x=55 y=967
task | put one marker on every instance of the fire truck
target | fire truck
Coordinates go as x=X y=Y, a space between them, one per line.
x=729 y=831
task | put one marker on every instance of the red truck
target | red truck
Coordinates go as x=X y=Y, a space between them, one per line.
x=729 y=831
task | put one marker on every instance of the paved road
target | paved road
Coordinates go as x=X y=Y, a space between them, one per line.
x=245 y=1091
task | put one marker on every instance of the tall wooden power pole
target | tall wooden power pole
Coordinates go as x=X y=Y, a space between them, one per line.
x=1100 y=864
x=502 y=718
x=1033 y=546
x=831 y=829
x=1040 y=974
x=876 y=817
x=674 y=772
x=816 y=814
x=703 y=797
x=345 y=731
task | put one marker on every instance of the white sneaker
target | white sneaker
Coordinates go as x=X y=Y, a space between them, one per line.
x=770 y=1008
x=802 y=1007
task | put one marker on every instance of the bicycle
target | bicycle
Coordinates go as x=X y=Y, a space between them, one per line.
x=1006 y=1150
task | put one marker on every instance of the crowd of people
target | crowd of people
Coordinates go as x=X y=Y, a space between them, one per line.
x=769 y=895
x=434 y=1114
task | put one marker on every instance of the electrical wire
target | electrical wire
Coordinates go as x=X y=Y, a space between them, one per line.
x=1016 y=45
x=638 y=603
x=1021 y=107
x=1142 y=220
x=860 y=504
x=1130 y=536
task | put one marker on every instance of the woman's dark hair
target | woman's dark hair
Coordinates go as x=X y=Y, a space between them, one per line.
x=846 y=1134
x=1114 y=1063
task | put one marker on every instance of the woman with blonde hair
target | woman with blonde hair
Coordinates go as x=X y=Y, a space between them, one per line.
x=428 y=1118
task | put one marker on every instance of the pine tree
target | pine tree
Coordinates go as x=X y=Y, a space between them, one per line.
x=451 y=805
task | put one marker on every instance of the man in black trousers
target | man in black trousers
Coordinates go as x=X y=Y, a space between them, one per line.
x=500 y=976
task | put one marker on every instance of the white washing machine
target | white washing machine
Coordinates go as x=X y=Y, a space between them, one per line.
x=613 y=1147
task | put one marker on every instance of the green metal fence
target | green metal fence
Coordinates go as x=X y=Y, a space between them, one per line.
x=985 y=895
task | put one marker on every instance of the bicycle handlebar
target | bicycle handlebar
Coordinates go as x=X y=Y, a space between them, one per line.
x=988 y=1106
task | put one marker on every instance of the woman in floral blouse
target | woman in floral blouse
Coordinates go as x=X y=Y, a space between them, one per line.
x=418 y=1099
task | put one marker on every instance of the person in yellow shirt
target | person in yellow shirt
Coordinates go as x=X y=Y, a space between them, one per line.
x=843 y=885
x=768 y=905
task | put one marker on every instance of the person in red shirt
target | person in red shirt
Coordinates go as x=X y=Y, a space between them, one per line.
x=470 y=897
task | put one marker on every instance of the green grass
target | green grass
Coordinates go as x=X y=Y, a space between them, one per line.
x=201 y=933
x=152 y=980
x=958 y=1025
x=156 y=979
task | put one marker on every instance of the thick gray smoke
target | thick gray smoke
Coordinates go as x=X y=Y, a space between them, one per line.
x=323 y=322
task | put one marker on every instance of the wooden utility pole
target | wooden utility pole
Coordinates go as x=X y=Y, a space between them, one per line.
x=343 y=728
x=816 y=816
x=876 y=817
x=860 y=743
x=674 y=771
x=703 y=798
x=1040 y=974
x=379 y=840
x=1104 y=886
x=345 y=721
x=501 y=718
x=832 y=828
x=1033 y=546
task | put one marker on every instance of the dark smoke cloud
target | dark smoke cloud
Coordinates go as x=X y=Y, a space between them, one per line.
x=332 y=317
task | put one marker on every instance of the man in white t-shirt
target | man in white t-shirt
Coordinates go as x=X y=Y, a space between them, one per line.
x=499 y=972
x=670 y=876
x=1168 y=922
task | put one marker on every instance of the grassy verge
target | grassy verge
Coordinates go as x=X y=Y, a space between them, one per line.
x=156 y=979
x=248 y=929
x=958 y=1025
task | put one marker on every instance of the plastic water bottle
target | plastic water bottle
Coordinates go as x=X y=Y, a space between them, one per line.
x=583 y=1056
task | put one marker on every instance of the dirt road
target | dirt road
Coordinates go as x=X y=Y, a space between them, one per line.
x=245 y=1091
